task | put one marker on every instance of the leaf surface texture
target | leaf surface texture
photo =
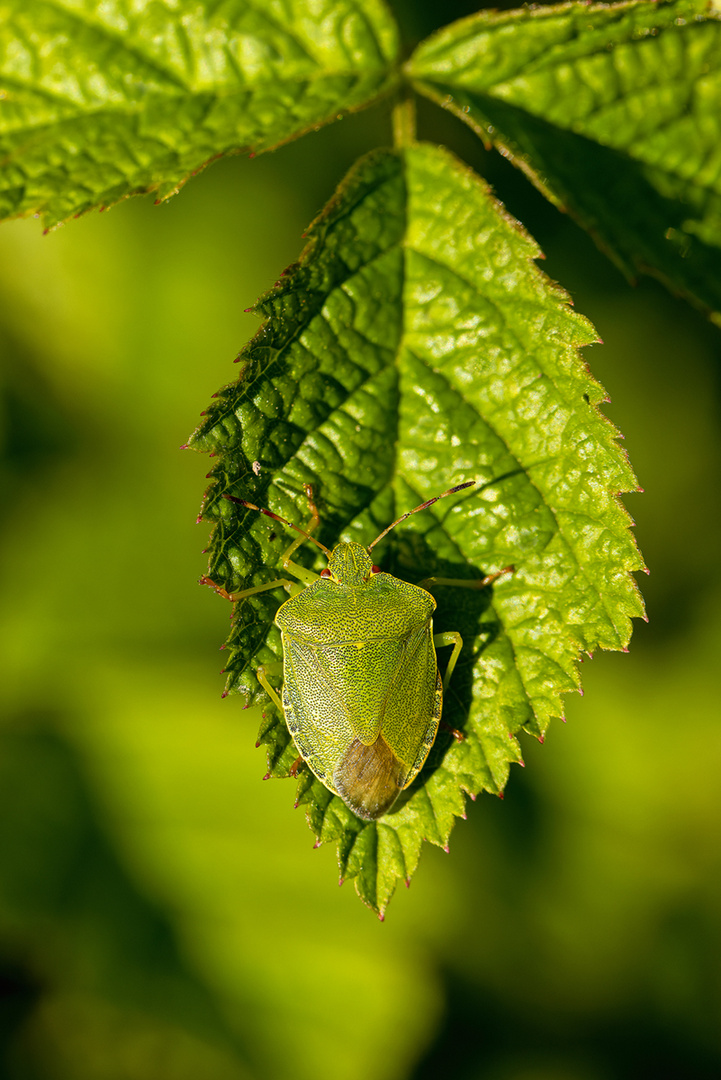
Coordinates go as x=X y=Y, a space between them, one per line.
x=106 y=98
x=613 y=112
x=414 y=346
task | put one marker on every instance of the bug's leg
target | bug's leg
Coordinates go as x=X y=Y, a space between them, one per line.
x=262 y=673
x=293 y=770
x=241 y=595
x=304 y=575
x=300 y=572
x=457 y=735
x=466 y=583
x=451 y=637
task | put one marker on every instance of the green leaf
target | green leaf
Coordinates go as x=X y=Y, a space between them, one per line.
x=613 y=113
x=104 y=100
x=414 y=346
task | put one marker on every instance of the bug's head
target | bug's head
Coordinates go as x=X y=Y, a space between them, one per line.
x=350 y=564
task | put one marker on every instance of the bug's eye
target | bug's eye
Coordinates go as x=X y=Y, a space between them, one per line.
x=325 y=573
x=375 y=569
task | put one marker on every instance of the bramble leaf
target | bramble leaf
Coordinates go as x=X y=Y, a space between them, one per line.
x=103 y=100
x=612 y=111
x=416 y=345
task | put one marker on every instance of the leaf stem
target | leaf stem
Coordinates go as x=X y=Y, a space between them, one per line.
x=404 y=120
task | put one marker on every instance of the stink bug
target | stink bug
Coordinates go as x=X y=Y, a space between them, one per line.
x=361 y=694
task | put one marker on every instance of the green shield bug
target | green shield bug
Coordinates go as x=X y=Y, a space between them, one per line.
x=361 y=694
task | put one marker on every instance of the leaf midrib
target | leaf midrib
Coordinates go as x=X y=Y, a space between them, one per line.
x=133 y=108
x=402 y=346
x=117 y=39
x=546 y=60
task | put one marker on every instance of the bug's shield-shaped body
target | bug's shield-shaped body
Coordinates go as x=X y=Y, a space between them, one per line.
x=362 y=695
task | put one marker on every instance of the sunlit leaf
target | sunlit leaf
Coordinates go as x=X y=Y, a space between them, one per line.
x=103 y=100
x=416 y=345
x=612 y=110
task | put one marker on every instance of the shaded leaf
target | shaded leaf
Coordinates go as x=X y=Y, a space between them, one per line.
x=613 y=113
x=104 y=100
x=414 y=346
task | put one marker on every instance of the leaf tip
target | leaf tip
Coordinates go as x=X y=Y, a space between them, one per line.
x=340 y=881
x=267 y=776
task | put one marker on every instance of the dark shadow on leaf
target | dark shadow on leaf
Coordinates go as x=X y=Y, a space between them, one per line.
x=643 y=218
x=467 y=611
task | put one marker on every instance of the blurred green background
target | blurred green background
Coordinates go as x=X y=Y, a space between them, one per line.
x=163 y=915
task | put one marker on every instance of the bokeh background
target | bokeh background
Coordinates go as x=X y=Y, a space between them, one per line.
x=163 y=915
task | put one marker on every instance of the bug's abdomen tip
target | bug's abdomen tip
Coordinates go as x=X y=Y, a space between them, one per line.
x=369 y=778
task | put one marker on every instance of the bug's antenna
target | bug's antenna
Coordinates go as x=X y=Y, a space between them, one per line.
x=423 y=506
x=276 y=517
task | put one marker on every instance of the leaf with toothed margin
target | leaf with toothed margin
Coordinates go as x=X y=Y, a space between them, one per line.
x=101 y=99
x=613 y=112
x=414 y=346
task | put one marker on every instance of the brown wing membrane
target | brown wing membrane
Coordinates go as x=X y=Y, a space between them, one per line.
x=369 y=778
